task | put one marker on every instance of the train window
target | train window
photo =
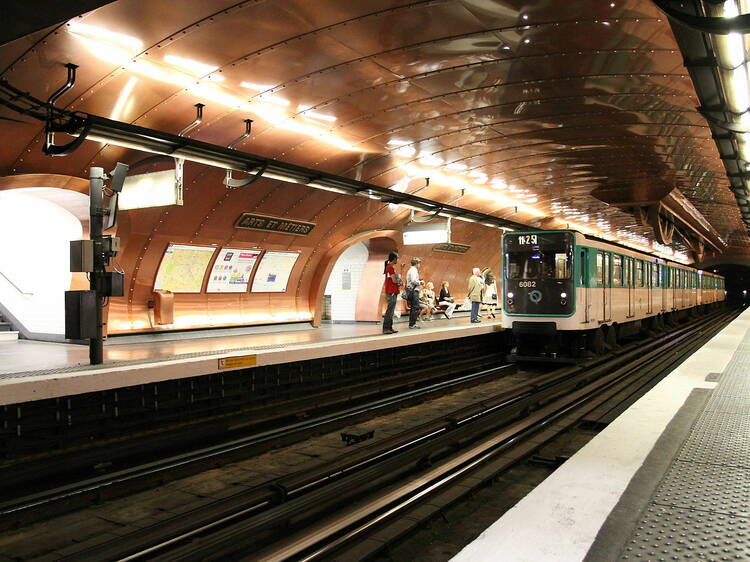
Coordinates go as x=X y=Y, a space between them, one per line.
x=600 y=268
x=538 y=264
x=628 y=272
x=639 y=273
x=617 y=271
x=562 y=266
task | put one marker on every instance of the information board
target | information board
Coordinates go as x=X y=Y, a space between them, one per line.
x=232 y=270
x=273 y=272
x=183 y=267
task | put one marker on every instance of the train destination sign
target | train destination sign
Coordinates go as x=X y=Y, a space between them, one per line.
x=452 y=248
x=274 y=224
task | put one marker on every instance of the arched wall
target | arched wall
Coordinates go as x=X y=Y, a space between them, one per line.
x=34 y=264
x=343 y=285
x=208 y=217
x=371 y=296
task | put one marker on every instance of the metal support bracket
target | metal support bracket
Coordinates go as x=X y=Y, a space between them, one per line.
x=229 y=181
x=198 y=119
x=232 y=183
x=50 y=128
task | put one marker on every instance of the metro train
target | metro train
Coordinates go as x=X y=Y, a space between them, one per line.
x=569 y=294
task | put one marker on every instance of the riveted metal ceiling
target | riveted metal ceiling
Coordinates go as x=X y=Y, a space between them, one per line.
x=546 y=112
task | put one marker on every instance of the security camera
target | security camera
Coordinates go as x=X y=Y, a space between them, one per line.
x=118 y=176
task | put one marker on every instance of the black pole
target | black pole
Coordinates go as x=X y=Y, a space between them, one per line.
x=96 y=224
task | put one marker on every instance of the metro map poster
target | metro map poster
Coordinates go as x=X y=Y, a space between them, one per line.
x=232 y=270
x=274 y=271
x=182 y=268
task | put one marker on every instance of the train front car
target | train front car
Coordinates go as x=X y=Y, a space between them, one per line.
x=538 y=288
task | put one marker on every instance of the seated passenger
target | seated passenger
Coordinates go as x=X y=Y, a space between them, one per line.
x=445 y=299
x=424 y=307
x=430 y=300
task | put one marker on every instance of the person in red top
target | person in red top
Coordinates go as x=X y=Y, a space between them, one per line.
x=392 y=290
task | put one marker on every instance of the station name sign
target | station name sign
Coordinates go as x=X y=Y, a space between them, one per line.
x=452 y=248
x=274 y=224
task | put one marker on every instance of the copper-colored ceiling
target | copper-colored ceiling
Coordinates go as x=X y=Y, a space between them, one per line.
x=536 y=103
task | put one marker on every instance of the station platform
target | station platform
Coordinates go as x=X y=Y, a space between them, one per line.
x=31 y=370
x=667 y=480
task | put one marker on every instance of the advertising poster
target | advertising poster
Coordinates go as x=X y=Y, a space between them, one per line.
x=273 y=272
x=232 y=270
x=183 y=267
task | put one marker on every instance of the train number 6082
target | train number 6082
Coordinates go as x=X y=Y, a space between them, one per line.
x=527 y=284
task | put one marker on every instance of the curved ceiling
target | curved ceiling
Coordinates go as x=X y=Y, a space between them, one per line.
x=528 y=107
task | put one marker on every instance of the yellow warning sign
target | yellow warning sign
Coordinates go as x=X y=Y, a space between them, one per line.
x=237 y=362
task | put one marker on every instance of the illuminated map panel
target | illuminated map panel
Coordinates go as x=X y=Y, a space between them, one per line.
x=274 y=271
x=183 y=267
x=231 y=271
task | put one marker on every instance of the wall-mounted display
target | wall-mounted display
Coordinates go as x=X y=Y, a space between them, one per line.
x=183 y=268
x=232 y=270
x=273 y=272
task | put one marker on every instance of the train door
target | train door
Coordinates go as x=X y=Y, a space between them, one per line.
x=659 y=287
x=583 y=281
x=607 y=287
x=668 y=290
x=629 y=284
x=649 y=288
x=683 y=289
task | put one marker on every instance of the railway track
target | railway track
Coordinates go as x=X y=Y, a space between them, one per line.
x=386 y=489
x=47 y=503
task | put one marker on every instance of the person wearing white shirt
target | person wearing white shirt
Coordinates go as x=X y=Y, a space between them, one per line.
x=412 y=291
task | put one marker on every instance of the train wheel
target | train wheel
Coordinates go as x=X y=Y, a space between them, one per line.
x=596 y=341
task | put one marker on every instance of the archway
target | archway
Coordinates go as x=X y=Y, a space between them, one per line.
x=369 y=290
x=35 y=268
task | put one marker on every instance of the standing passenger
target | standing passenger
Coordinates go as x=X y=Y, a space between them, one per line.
x=391 y=292
x=412 y=291
x=475 y=293
x=489 y=297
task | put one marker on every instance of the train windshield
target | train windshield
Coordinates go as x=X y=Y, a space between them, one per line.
x=538 y=257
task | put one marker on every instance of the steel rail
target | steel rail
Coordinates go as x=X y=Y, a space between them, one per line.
x=405 y=496
x=232 y=536
x=393 y=461
x=158 y=470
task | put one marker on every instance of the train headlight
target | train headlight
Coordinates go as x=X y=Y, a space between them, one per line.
x=563 y=295
x=510 y=295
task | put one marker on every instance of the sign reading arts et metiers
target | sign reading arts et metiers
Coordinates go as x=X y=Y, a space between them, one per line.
x=274 y=224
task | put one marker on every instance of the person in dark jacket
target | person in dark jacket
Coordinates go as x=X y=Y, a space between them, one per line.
x=445 y=299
